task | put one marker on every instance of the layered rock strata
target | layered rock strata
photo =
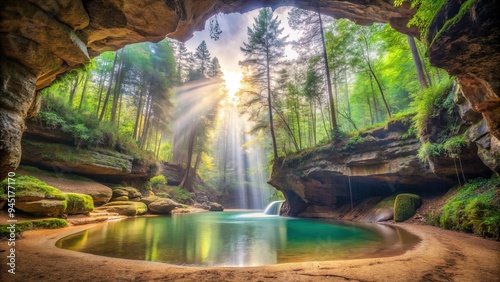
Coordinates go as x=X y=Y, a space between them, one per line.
x=384 y=162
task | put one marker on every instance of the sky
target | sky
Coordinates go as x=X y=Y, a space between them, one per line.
x=234 y=33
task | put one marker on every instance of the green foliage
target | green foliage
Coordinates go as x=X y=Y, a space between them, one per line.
x=276 y=196
x=475 y=208
x=29 y=186
x=426 y=11
x=338 y=135
x=430 y=105
x=179 y=195
x=353 y=141
x=157 y=182
x=429 y=150
x=405 y=206
x=454 y=145
x=83 y=128
x=49 y=223
x=79 y=203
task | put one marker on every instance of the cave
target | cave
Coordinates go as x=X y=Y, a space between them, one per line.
x=43 y=39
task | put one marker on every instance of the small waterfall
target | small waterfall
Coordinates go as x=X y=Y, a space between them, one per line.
x=274 y=208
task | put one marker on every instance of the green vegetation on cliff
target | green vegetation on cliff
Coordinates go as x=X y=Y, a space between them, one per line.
x=475 y=208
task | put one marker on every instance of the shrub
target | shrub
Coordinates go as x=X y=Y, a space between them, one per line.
x=178 y=194
x=475 y=209
x=79 y=203
x=430 y=104
x=158 y=182
x=405 y=206
x=429 y=150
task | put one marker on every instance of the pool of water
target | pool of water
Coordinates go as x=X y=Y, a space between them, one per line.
x=238 y=239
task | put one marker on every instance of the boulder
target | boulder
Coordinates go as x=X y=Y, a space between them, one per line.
x=119 y=198
x=118 y=192
x=124 y=208
x=405 y=206
x=163 y=206
x=148 y=200
x=79 y=203
x=45 y=207
x=216 y=207
x=68 y=183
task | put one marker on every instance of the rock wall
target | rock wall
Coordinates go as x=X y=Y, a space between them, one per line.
x=465 y=41
x=53 y=150
x=41 y=39
x=384 y=162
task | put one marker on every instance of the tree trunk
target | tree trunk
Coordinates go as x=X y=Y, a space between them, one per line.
x=102 y=80
x=380 y=89
x=73 y=90
x=118 y=84
x=185 y=180
x=108 y=92
x=375 y=108
x=269 y=104
x=145 y=128
x=84 y=89
x=138 y=113
x=418 y=62
x=328 y=79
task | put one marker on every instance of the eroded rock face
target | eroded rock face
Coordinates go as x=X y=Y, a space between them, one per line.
x=318 y=181
x=41 y=39
x=467 y=45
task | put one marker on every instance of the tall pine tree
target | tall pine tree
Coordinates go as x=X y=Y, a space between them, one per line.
x=262 y=53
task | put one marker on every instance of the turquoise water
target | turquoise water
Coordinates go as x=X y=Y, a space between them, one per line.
x=237 y=239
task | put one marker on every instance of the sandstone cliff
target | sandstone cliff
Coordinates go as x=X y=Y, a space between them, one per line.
x=379 y=163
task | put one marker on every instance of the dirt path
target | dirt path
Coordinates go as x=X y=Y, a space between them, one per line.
x=441 y=256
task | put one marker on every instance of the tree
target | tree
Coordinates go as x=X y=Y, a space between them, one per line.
x=418 y=62
x=214 y=68
x=311 y=23
x=262 y=53
x=202 y=56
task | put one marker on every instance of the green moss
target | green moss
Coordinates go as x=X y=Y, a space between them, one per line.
x=29 y=186
x=405 y=206
x=49 y=223
x=68 y=154
x=386 y=202
x=79 y=203
x=464 y=9
x=475 y=209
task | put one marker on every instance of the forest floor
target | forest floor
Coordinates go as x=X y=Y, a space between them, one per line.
x=442 y=255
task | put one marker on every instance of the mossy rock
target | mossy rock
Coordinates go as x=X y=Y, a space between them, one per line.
x=29 y=188
x=79 y=203
x=49 y=223
x=125 y=208
x=405 y=206
x=119 y=198
x=216 y=207
x=45 y=207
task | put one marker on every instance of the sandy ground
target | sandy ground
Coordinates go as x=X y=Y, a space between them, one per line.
x=441 y=256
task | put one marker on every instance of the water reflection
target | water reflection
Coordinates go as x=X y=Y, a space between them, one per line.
x=237 y=239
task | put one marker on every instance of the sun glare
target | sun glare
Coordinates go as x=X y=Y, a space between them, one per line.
x=232 y=83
